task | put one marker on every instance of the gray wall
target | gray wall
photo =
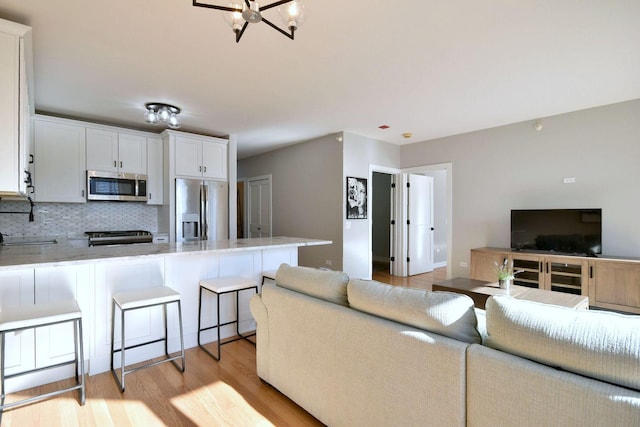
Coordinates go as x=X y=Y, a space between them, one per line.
x=517 y=167
x=307 y=195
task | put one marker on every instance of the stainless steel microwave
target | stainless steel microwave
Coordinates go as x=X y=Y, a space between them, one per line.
x=116 y=186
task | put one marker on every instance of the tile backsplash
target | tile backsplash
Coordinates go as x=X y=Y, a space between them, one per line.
x=73 y=219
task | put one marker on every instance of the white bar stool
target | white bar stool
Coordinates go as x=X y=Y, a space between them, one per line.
x=15 y=319
x=269 y=274
x=138 y=299
x=221 y=286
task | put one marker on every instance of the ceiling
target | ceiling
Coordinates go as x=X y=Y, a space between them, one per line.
x=432 y=68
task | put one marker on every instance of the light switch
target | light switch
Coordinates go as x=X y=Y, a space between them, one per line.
x=569 y=180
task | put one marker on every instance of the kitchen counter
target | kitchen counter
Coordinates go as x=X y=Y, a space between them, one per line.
x=68 y=253
x=32 y=274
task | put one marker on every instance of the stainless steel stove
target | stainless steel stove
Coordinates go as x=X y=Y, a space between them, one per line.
x=102 y=238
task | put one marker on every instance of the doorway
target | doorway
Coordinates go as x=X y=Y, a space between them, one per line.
x=258 y=212
x=383 y=198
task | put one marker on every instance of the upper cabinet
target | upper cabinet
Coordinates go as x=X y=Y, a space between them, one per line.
x=203 y=157
x=116 y=152
x=60 y=171
x=16 y=108
x=154 y=171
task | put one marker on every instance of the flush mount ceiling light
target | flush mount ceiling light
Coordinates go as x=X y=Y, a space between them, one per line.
x=240 y=13
x=159 y=112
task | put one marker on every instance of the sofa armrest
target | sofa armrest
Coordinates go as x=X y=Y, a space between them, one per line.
x=261 y=316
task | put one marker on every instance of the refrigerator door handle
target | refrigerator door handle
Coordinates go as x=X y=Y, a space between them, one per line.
x=203 y=212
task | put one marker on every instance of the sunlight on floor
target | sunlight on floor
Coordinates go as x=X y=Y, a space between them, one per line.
x=225 y=406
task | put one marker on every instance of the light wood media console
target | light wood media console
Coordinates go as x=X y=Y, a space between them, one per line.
x=609 y=282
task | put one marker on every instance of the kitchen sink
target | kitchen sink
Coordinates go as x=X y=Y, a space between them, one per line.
x=30 y=242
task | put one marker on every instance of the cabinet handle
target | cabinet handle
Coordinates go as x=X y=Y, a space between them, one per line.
x=30 y=159
x=591 y=272
x=149 y=196
x=547 y=268
x=120 y=163
x=205 y=169
x=540 y=264
x=199 y=168
x=115 y=164
x=82 y=193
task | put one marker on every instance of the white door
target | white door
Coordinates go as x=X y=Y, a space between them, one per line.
x=419 y=224
x=259 y=207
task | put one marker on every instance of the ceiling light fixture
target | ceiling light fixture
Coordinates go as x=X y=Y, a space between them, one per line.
x=242 y=12
x=165 y=113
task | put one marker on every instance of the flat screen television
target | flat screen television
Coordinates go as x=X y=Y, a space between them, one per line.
x=566 y=231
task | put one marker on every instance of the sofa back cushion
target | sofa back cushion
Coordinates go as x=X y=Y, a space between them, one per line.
x=324 y=284
x=444 y=313
x=596 y=344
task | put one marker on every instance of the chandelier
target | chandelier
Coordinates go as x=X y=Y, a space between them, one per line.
x=240 y=13
x=159 y=112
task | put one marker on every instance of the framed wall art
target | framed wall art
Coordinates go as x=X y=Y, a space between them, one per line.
x=356 y=198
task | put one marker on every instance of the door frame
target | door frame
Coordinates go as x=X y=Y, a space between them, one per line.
x=247 y=204
x=400 y=212
x=448 y=167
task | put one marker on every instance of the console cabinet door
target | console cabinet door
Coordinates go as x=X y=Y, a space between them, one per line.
x=60 y=171
x=566 y=274
x=482 y=264
x=529 y=269
x=615 y=285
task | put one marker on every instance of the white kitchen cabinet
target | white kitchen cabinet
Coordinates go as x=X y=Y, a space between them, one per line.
x=55 y=344
x=60 y=170
x=155 y=158
x=200 y=158
x=16 y=106
x=111 y=151
x=16 y=289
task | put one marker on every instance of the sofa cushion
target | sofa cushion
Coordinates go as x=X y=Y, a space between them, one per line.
x=596 y=344
x=324 y=284
x=444 y=313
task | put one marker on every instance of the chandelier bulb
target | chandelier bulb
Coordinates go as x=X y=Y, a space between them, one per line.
x=151 y=117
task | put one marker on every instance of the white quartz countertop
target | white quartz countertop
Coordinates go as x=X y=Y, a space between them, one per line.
x=63 y=253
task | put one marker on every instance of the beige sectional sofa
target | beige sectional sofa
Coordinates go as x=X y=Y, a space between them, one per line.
x=362 y=353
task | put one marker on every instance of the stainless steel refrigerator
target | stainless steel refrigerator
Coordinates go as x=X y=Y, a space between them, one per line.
x=201 y=210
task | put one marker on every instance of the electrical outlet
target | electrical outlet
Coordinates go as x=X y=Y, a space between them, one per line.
x=328 y=262
x=464 y=264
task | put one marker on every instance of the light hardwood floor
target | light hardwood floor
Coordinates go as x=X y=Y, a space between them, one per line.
x=209 y=393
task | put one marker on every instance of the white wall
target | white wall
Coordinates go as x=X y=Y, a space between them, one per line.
x=307 y=195
x=517 y=167
x=359 y=153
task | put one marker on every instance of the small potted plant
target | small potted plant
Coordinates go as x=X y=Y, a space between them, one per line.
x=505 y=274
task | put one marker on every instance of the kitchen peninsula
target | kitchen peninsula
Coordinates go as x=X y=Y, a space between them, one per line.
x=33 y=274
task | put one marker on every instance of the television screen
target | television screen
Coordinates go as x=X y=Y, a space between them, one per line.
x=568 y=231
